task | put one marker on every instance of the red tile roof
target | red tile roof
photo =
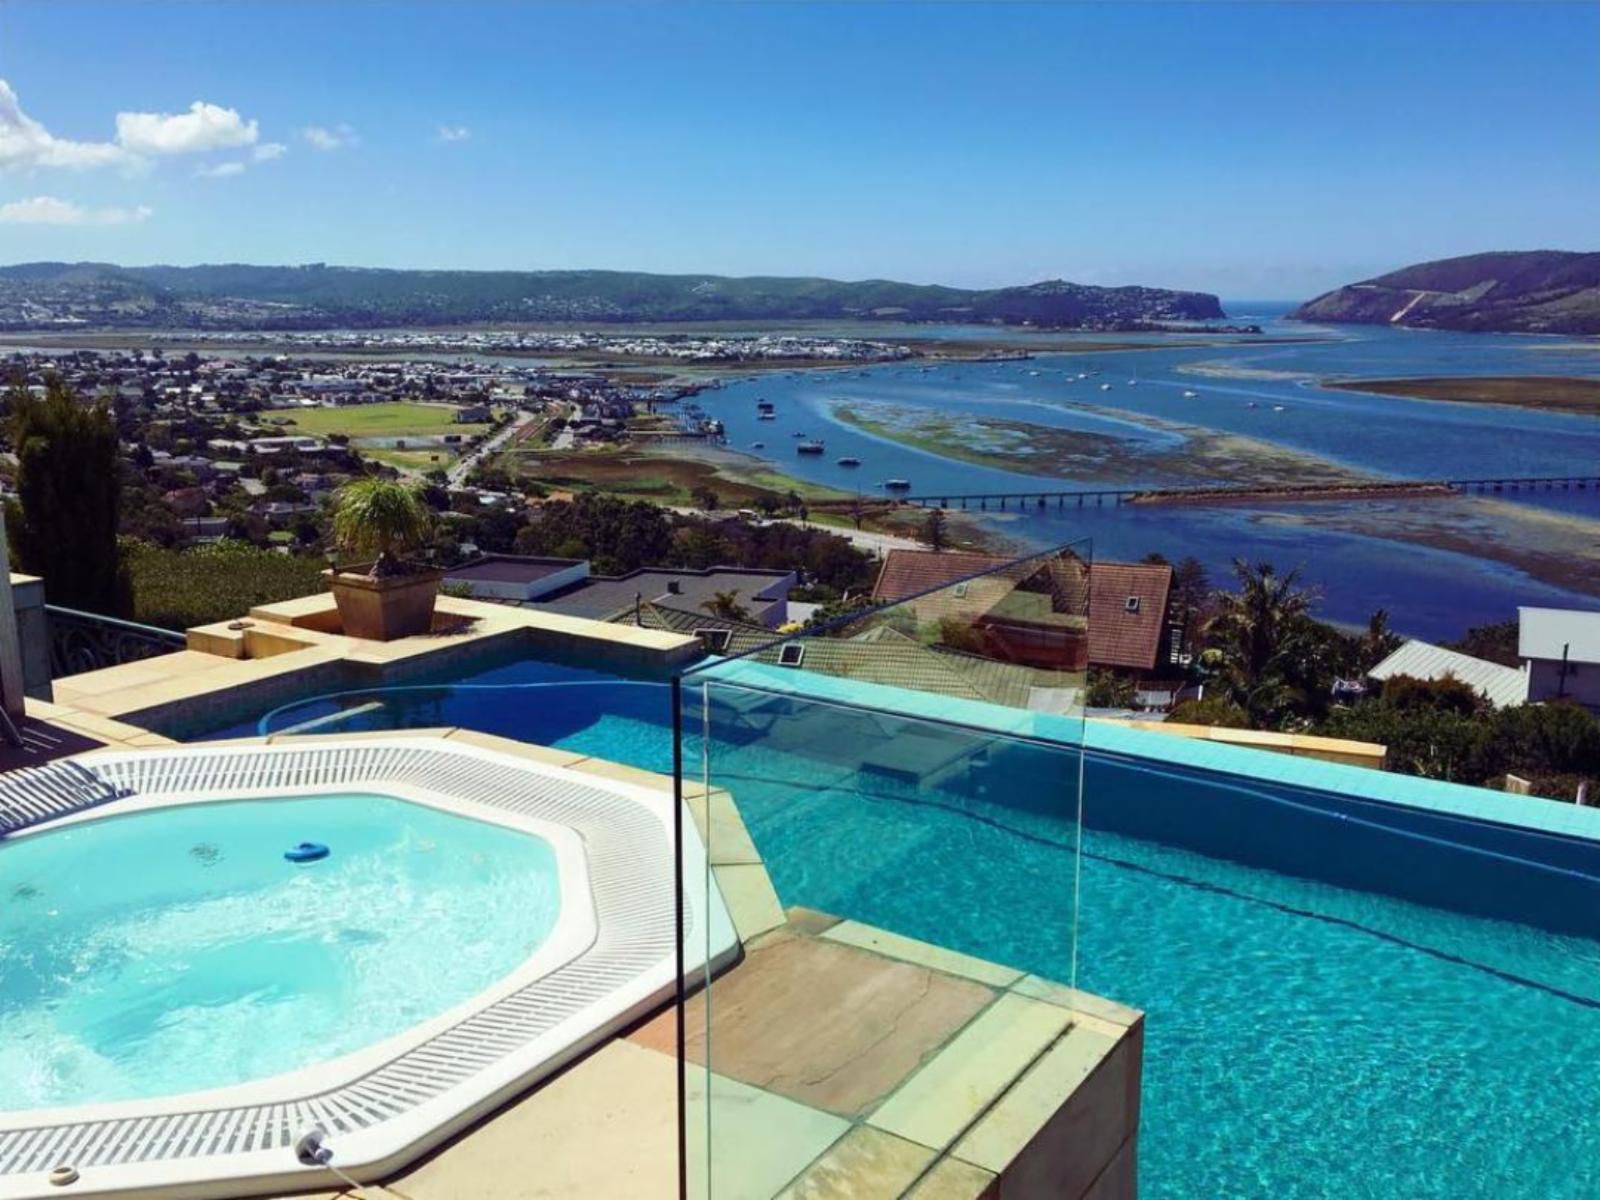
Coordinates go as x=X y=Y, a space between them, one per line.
x=907 y=573
x=1117 y=637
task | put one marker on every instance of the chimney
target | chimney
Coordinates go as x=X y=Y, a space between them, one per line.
x=674 y=588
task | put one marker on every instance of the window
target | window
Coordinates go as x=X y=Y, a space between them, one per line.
x=714 y=640
x=791 y=655
x=1131 y=604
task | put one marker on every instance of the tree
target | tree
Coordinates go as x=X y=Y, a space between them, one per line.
x=704 y=498
x=1109 y=689
x=1258 y=631
x=1496 y=643
x=726 y=605
x=858 y=512
x=1377 y=643
x=69 y=489
x=935 y=530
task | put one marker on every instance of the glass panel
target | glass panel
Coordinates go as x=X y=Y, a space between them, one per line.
x=887 y=788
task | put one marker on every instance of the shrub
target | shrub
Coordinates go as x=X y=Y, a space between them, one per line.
x=1406 y=692
x=1210 y=710
x=179 y=588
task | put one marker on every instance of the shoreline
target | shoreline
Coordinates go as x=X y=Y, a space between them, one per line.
x=1075 y=457
x=1574 y=394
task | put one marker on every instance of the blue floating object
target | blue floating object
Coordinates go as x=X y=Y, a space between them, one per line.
x=306 y=852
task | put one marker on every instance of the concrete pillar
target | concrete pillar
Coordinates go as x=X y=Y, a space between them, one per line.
x=11 y=683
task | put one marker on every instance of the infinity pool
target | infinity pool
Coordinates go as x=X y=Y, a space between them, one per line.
x=175 y=949
x=1304 y=1038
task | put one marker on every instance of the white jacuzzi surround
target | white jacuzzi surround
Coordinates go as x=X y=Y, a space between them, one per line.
x=609 y=960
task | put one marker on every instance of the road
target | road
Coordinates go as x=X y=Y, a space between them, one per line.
x=462 y=467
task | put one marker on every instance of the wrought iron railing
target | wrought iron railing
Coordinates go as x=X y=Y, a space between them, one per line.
x=85 y=641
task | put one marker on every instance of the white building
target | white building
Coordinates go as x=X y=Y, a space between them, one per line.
x=1502 y=686
x=1561 y=649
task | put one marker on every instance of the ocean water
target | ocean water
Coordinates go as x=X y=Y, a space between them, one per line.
x=1433 y=594
x=1303 y=1039
x=174 y=950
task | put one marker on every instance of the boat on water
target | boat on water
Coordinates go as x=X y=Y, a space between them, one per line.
x=1105 y=387
x=765 y=406
x=810 y=448
x=766 y=416
x=897 y=485
x=849 y=461
x=1250 y=404
x=797 y=434
x=1189 y=395
x=1280 y=408
x=758 y=445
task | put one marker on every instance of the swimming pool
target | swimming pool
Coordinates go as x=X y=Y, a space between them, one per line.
x=1343 y=999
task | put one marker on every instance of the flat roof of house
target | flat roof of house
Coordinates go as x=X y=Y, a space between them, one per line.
x=1550 y=632
x=1502 y=685
x=511 y=568
x=602 y=596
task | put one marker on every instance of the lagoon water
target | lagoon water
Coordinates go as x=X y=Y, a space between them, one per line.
x=1429 y=592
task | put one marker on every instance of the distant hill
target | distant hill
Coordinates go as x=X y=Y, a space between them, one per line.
x=56 y=295
x=1511 y=291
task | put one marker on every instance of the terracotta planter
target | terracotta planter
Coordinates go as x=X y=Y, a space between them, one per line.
x=382 y=609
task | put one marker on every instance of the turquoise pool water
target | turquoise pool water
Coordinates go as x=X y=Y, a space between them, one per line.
x=1303 y=1039
x=175 y=949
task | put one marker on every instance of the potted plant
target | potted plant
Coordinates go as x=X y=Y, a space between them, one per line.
x=383 y=595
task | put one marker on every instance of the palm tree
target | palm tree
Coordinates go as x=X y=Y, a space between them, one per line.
x=1258 y=632
x=726 y=605
x=381 y=519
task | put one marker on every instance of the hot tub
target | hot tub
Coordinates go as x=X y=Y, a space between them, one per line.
x=181 y=1002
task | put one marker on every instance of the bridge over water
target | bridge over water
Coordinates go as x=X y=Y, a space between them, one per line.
x=1376 y=490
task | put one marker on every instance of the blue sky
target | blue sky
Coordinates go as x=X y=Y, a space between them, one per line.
x=1249 y=150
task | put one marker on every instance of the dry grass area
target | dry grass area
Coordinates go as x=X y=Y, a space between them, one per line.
x=1554 y=393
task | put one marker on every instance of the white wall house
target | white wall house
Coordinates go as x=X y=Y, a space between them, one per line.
x=1561 y=647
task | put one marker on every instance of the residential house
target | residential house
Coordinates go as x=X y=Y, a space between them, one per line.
x=1560 y=648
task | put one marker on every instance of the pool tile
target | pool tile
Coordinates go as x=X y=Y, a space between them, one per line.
x=527 y=750
x=624 y=774
x=865 y=1164
x=1035 y=1099
x=758 y=1141
x=778 y=1022
x=751 y=899
x=607 y=1126
x=1040 y=988
x=941 y=1099
x=729 y=842
x=881 y=941
x=952 y=1179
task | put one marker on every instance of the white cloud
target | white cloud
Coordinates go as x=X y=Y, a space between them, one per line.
x=25 y=143
x=320 y=137
x=203 y=127
x=454 y=133
x=268 y=151
x=47 y=210
x=221 y=170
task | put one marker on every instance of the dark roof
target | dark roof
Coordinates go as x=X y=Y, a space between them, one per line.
x=510 y=568
x=602 y=596
x=1118 y=637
